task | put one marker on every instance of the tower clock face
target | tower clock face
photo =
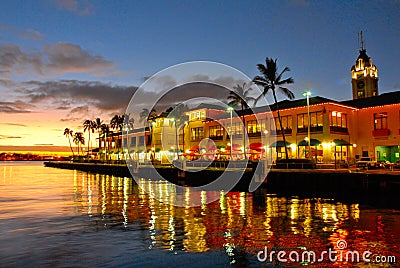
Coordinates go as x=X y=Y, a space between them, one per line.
x=360 y=84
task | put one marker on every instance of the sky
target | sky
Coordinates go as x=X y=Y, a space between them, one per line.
x=65 y=61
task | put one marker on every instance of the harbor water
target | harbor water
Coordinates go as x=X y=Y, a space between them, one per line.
x=53 y=217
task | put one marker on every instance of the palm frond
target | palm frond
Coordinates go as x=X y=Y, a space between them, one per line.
x=287 y=92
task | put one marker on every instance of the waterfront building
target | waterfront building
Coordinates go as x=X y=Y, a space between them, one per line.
x=340 y=131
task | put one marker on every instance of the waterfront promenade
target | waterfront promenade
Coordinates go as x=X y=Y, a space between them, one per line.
x=350 y=181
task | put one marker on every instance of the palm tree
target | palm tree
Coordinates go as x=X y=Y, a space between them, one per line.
x=79 y=139
x=117 y=123
x=180 y=119
x=105 y=131
x=68 y=133
x=97 y=123
x=128 y=125
x=90 y=126
x=240 y=97
x=270 y=80
x=147 y=115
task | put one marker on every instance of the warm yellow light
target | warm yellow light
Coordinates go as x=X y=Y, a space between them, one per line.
x=354 y=145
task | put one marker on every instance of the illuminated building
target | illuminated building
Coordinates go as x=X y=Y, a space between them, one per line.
x=364 y=75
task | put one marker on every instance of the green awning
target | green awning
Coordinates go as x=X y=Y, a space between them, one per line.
x=313 y=142
x=341 y=142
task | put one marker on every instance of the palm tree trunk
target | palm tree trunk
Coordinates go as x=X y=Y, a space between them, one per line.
x=280 y=123
x=88 y=146
x=70 y=146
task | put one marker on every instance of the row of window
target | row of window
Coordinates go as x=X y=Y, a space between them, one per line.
x=338 y=123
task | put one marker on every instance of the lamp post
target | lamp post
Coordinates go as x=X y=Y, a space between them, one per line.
x=230 y=109
x=308 y=94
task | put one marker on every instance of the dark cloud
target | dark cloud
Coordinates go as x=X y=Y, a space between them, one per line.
x=67 y=57
x=103 y=96
x=78 y=7
x=56 y=59
x=15 y=107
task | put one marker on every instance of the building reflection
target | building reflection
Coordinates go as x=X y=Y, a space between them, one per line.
x=237 y=222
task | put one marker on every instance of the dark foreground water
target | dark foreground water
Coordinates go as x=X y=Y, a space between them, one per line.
x=62 y=218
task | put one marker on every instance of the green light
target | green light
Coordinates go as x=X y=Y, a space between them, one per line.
x=307 y=93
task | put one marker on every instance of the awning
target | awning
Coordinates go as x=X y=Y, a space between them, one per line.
x=257 y=146
x=235 y=147
x=313 y=142
x=341 y=142
x=279 y=144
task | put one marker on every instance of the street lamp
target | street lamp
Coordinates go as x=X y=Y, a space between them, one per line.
x=308 y=94
x=230 y=110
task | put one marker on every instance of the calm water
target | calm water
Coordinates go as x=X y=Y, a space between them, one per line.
x=64 y=218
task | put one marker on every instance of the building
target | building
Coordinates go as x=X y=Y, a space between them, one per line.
x=341 y=131
x=327 y=131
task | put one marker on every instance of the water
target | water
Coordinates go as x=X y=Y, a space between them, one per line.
x=63 y=218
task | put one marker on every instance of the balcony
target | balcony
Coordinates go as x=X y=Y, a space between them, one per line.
x=279 y=132
x=339 y=129
x=381 y=132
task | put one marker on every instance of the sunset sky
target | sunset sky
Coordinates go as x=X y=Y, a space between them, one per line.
x=65 y=61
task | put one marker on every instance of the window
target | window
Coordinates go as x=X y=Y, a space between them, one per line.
x=141 y=140
x=286 y=125
x=380 y=121
x=133 y=141
x=253 y=128
x=216 y=132
x=197 y=133
x=197 y=115
x=338 y=122
x=237 y=129
x=316 y=120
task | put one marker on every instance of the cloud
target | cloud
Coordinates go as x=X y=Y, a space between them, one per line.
x=14 y=124
x=83 y=7
x=4 y=137
x=28 y=34
x=15 y=107
x=70 y=58
x=103 y=96
x=77 y=114
x=56 y=59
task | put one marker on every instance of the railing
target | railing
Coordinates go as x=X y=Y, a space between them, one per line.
x=312 y=129
x=339 y=129
x=381 y=132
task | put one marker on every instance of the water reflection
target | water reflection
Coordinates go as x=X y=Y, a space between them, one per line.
x=42 y=207
x=239 y=222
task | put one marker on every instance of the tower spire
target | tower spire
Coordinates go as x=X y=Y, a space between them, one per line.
x=361 y=42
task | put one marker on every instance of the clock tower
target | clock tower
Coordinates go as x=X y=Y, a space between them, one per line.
x=364 y=75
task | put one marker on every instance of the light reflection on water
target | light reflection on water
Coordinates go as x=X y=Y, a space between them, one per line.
x=54 y=217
